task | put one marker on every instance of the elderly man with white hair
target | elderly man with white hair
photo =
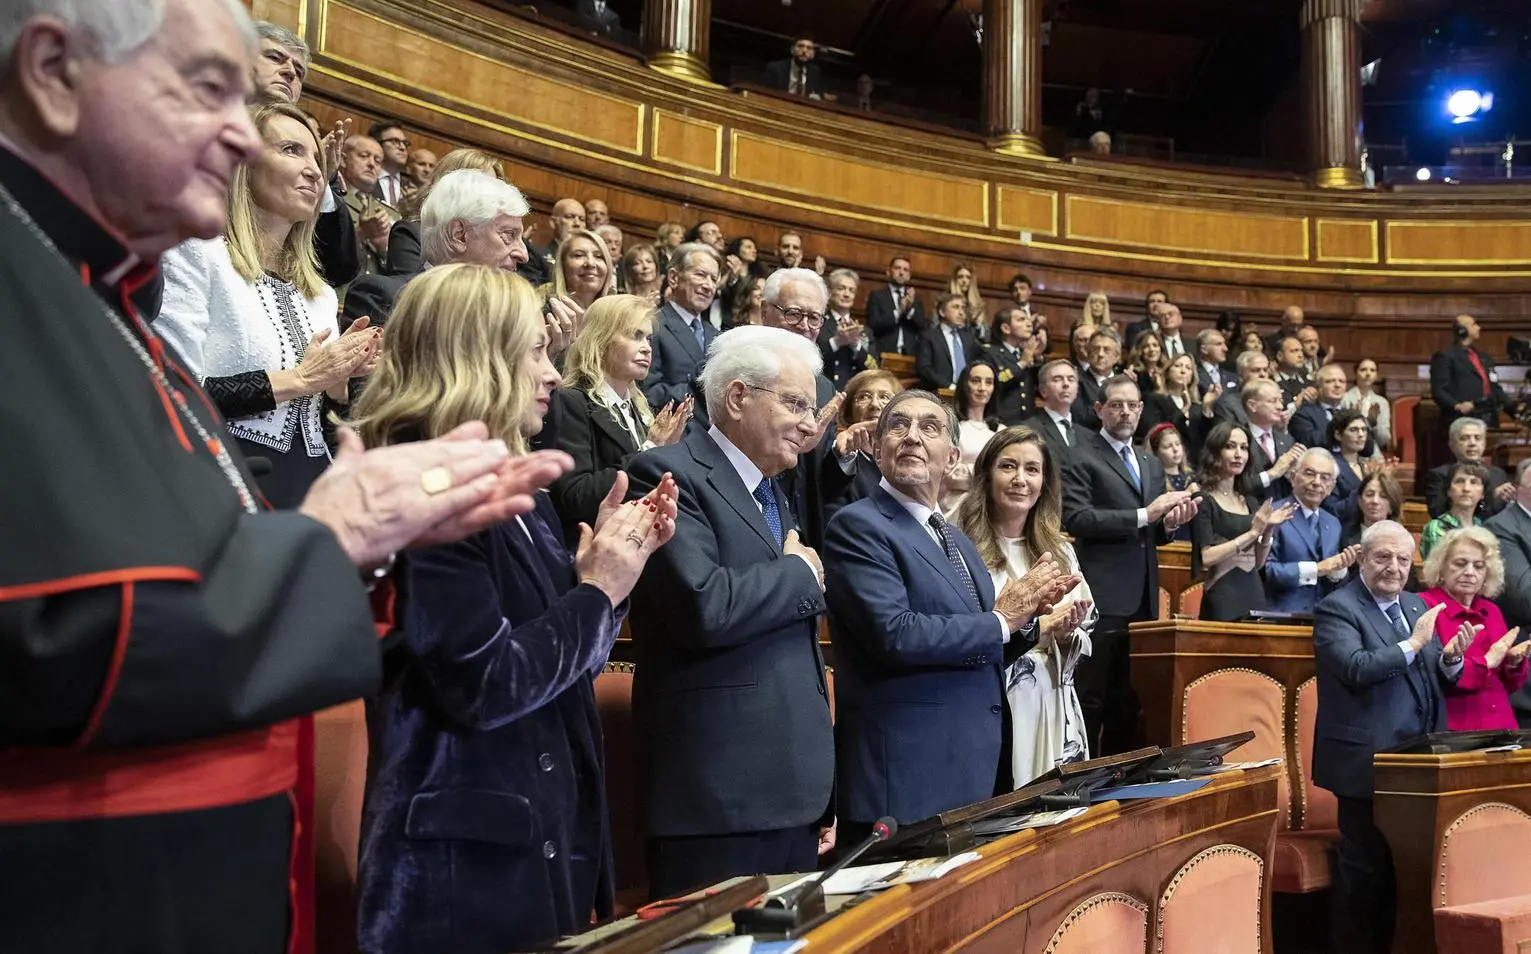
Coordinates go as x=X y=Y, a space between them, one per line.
x=1382 y=679
x=730 y=691
x=1306 y=561
x=160 y=631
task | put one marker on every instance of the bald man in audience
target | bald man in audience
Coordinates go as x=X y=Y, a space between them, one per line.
x=596 y=214
x=417 y=171
x=568 y=217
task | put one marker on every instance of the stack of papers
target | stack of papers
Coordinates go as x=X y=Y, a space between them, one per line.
x=886 y=875
x=1010 y=824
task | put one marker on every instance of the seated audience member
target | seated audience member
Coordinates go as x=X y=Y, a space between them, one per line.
x=1105 y=358
x=1231 y=535
x=1250 y=365
x=489 y=706
x=975 y=427
x=361 y=162
x=1164 y=443
x=1273 y=454
x=865 y=396
x=1145 y=363
x=639 y=274
x=798 y=75
x=745 y=302
x=1013 y=351
x=597 y=214
x=1469 y=445
x=1170 y=322
x=1463 y=382
x=582 y=270
x=253 y=320
x=612 y=237
x=1373 y=405
x=1100 y=142
x=1097 y=310
x=468 y=217
x=921 y=638
x=1291 y=372
x=682 y=335
x=729 y=697
x=667 y=238
x=1464 y=488
x=1174 y=402
x=1014 y=515
x=1382 y=680
x=843 y=341
x=895 y=315
x=1465 y=572
x=945 y=348
x=1378 y=498
x=404 y=258
x=963 y=284
x=1212 y=362
x=603 y=417
x=1307 y=560
x=1114 y=509
x=1058 y=387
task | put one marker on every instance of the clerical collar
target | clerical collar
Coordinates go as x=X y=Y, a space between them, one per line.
x=97 y=250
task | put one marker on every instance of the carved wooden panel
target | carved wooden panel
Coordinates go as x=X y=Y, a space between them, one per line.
x=1186 y=229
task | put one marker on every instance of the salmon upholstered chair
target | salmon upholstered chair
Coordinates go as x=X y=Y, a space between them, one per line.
x=340 y=781
x=1233 y=700
x=1403 y=428
x=614 y=699
x=1212 y=904
x=1190 y=602
x=1107 y=923
x=1483 y=888
x=1301 y=863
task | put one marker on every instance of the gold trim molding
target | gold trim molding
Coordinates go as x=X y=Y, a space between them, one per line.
x=681 y=64
x=1339 y=177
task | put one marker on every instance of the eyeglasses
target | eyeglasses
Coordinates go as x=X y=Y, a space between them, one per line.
x=796 y=405
x=394 y=141
x=930 y=428
x=1118 y=407
x=799 y=317
x=1308 y=473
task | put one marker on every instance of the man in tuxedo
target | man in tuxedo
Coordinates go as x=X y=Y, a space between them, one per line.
x=1012 y=351
x=945 y=349
x=1292 y=370
x=1382 y=679
x=1469 y=444
x=1058 y=385
x=1306 y=561
x=1105 y=353
x=1463 y=381
x=798 y=76
x=1272 y=452
x=1154 y=301
x=842 y=341
x=730 y=696
x=1211 y=355
x=1170 y=321
x=1113 y=509
x=1250 y=366
x=390 y=178
x=681 y=335
x=894 y=313
x=920 y=637
x=1512 y=526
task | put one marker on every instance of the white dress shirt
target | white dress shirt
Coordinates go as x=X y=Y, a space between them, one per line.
x=623 y=409
x=752 y=476
x=392 y=187
x=921 y=515
x=1256 y=437
x=1307 y=570
x=1450 y=669
x=1116 y=448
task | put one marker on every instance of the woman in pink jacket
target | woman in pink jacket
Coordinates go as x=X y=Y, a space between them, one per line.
x=1462 y=572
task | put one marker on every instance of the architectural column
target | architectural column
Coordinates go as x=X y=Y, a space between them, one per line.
x=1012 y=75
x=1332 y=78
x=675 y=36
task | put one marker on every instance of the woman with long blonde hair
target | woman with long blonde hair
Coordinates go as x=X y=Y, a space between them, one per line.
x=487 y=717
x=583 y=272
x=603 y=417
x=251 y=317
x=1096 y=310
x=965 y=286
x=404 y=256
x=641 y=272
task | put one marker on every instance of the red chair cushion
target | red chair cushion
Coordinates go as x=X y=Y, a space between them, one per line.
x=1301 y=862
x=1501 y=926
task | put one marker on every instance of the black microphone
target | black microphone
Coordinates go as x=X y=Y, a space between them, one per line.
x=782 y=915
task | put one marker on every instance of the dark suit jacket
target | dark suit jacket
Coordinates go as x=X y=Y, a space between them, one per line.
x=817 y=479
x=677 y=358
x=1513 y=529
x=591 y=434
x=1133 y=330
x=933 y=360
x=1015 y=384
x=778 y=75
x=372 y=296
x=335 y=244
x=1119 y=560
x=1041 y=422
x=486 y=749
x=1342 y=500
x=1290 y=382
x=404 y=256
x=919 y=688
x=730 y=690
x=1084 y=402
x=1293 y=543
x=1368 y=700
x=844 y=362
x=885 y=323
x=1454 y=380
x=1159 y=409
x=1259 y=464
x=1230 y=407
x=603 y=22
x=1435 y=487
x=1224 y=377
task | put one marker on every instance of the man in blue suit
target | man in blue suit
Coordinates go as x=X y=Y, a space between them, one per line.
x=1382 y=679
x=729 y=694
x=1306 y=561
x=920 y=637
x=682 y=334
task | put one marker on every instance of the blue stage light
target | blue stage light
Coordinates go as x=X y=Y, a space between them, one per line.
x=1466 y=105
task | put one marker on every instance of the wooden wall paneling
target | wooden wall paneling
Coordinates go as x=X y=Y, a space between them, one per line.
x=1200 y=231
x=1459 y=243
x=692 y=144
x=1027 y=210
x=1346 y=240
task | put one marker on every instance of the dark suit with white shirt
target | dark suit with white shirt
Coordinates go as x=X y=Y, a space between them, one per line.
x=1260 y=462
x=1091 y=392
x=887 y=321
x=677 y=357
x=1061 y=443
x=1220 y=376
x=933 y=364
x=842 y=362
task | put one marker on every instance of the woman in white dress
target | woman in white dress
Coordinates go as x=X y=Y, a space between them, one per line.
x=976 y=424
x=1015 y=515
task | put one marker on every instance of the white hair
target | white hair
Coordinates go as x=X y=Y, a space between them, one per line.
x=466 y=196
x=1322 y=455
x=753 y=354
x=797 y=276
x=1385 y=528
x=114 y=29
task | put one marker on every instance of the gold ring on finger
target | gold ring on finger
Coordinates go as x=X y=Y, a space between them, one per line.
x=436 y=480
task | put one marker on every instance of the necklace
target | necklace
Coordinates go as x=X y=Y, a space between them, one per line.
x=214 y=446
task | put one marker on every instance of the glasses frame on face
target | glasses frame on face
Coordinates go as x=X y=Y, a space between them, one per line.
x=900 y=424
x=1121 y=407
x=1308 y=473
x=798 y=407
x=799 y=317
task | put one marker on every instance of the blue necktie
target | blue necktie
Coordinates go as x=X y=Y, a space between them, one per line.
x=944 y=532
x=701 y=336
x=1395 y=613
x=766 y=494
x=959 y=359
x=1132 y=467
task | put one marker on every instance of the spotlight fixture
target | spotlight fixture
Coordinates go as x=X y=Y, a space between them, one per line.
x=1466 y=105
x=1423 y=174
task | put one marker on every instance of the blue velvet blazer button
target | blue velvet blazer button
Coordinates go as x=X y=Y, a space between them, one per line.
x=549 y=850
x=545 y=762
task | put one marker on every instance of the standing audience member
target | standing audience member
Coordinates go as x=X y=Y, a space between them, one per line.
x=894 y=313
x=708 y=233
x=1314 y=355
x=1164 y=443
x=746 y=302
x=865 y=396
x=963 y=285
x=1372 y=404
x=361 y=161
x=682 y=335
x=1378 y=498
x=612 y=237
x=1512 y=527
x=1117 y=515
x=1292 y=373
x=1464 y=489
x=1273 y=453
x=1014 y=515
x=567 y=217
x=1307 y=561
x=1469 y=445
x=799 y=75
x=945 y=348
x=488 y=711
x=1310 y=421
x=1174 y=402
x=1347 y=437
x=404 y=258
x=1231 y=535
x=975 y=427
x=1170 y=322
x=1382 y=680
x=254 y=321
x=390 y=178
x=921 y=637
x=1463 y=381
x=1465 y=572
x=639 y=273
x=1013 y=351
x=1058 y=386
x=667 y=238
x=1020 y=292
x=738 y=760
x=1097 y=310
x=1152 y=303
x=597 y=214
x=1250 y=365
x=1105 y=352
x=1146 y=362
x=1212 y=362
x=843 y=341
x=417 y=172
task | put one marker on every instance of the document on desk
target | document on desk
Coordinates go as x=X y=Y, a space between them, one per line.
x=1011 y=824
x=886 y=875
x=1122 y=793
x=736 y=944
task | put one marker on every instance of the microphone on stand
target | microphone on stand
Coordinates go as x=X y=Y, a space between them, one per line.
x=784 y=914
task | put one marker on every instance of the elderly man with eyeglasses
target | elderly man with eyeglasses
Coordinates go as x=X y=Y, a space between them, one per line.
x=1306 y=561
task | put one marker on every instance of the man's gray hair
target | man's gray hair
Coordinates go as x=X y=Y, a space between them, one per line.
x=753 y=354
x=1321 y=454
x=797 y=276
x=1252 y=390
x=284 y=38
x=1385 y=528
x=114 y=29
x=680 y=259
x=840 y=273
x=901 y=397
x=1463 y=423
x=1245 y=359
x=1520 y=470
x=1205 y=335
x=466 y=196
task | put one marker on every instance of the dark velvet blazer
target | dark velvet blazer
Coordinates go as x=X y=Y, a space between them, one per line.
x=484 y=828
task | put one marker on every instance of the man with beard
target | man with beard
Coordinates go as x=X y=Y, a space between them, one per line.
x=798 y=76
